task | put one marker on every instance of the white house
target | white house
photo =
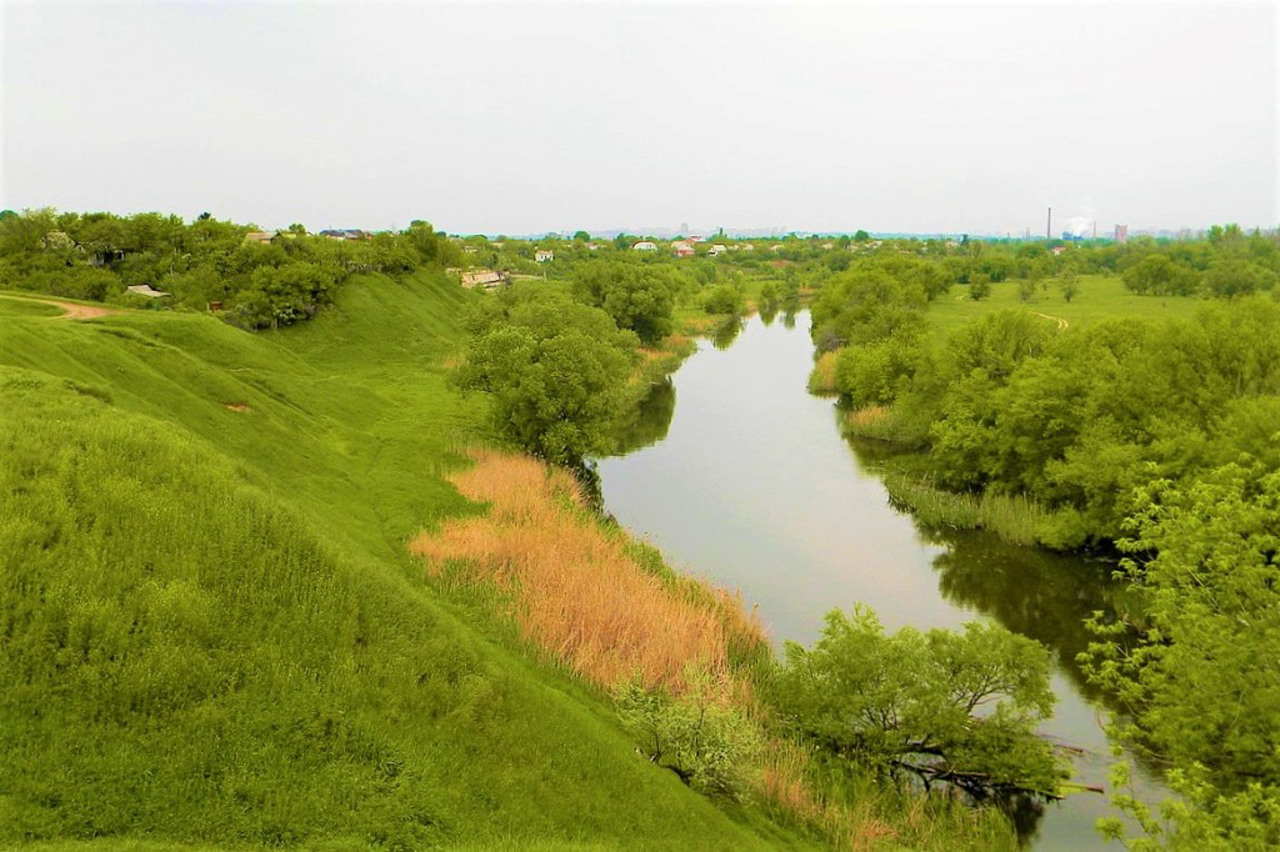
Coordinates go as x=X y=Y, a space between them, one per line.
x=544 y=255
x=645 y=245
x=716 y=250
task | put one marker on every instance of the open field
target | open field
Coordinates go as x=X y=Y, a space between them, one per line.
x=1100 y=297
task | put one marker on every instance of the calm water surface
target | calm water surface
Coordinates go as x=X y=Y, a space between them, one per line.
x=741 y=476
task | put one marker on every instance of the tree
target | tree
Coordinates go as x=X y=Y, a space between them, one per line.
x=947 y=707
x=638 y=297
x=556 y=369
x=1157 y=275
x=861 y=236
x=1227 y=279
x=1203 y=679
x=979 y=286
x=1069 y=285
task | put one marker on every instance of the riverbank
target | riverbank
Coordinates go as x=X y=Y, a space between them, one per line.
x=682 y=660
x=755 y=487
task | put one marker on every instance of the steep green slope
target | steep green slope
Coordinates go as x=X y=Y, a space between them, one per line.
x=211 y=633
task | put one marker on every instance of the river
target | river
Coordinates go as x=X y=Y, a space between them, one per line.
x=741 y=476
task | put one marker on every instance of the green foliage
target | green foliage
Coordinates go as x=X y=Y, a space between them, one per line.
x=708 y=745
x=1227 y=279
x=639 y=297
x=1206 y=672
x=556 y=370
x=866 y=304
x=1157 y=275
x=979 y=287
x=872 y=374
x=946 y=707
x=724 y=299
x=95 y=256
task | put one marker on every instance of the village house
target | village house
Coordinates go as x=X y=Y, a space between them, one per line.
x=544 y=255
x=683 y=248
x=645 y=245
x=716 y=250
x=260 y=236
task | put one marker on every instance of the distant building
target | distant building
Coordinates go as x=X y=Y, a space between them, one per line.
x=344 y=234
x=1122 y=233
x=683 y=248
x=485 y=279
x=1057 y=250
x=544 y=255
x=748 y=247
x=716 y=250
x=645 y=245
x=260 y=236
x=145 y=290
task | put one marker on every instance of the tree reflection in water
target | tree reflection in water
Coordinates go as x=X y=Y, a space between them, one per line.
x=727 y=332
x=648 y=424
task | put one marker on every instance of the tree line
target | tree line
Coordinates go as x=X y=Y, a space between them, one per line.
x=1157 y=440
x=273 y=280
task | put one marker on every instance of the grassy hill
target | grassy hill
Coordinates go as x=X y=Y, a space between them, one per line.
x=212 y=632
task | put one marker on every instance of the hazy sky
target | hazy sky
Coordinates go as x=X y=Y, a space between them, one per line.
x=523 y=118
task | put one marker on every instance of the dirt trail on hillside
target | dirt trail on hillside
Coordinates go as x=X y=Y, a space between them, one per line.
x=80 y=312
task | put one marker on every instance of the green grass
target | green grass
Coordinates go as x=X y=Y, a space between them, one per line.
x=1100 y=297
x=11 y=306
x=213 y=634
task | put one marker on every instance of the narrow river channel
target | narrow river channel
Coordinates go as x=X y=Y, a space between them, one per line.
x=741 y=476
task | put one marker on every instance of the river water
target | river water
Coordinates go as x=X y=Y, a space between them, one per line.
x=741 y=476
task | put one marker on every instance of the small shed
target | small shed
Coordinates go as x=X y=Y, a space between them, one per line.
x=146 y=290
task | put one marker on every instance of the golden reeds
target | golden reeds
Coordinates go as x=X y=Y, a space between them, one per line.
x=576 y=593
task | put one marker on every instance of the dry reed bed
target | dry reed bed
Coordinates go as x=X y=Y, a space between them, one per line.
x=576 y=594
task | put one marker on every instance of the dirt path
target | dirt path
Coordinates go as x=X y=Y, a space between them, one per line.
x=1062 y=324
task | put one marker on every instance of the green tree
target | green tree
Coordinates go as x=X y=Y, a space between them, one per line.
x=556 y=370
x=943 y=706
x=979 y=286
x=639 y=297
x=1203 y=679
x=1069 y=285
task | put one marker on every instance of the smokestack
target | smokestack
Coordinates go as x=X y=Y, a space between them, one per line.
x=1048 y=226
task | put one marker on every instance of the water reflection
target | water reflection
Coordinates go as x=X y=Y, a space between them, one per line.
x=649 y=422
x=727 y=332
x=754 y=488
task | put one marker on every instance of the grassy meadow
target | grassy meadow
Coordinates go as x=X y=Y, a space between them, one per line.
x=215 y=634
x=1100 y=297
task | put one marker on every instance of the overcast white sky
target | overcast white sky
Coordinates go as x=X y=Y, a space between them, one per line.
x=522 y=118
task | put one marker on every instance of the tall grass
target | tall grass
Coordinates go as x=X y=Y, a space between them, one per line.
x=1016 y=518
x=822 y=379
x=579 y=594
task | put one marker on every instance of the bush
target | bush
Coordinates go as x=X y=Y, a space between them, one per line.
x=709 y=745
